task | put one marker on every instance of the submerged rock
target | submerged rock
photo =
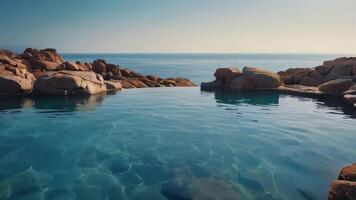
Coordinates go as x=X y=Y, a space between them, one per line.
x=20 y=184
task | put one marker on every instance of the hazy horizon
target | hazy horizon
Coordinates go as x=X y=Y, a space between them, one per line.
x=198 y=26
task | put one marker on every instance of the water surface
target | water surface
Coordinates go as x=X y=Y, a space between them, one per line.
x=134 y=144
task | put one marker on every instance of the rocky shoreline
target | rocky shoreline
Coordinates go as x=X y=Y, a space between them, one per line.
x=45 y=72
x=335 y=78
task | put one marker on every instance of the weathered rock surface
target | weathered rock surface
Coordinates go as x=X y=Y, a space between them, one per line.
x=69 y=83
x=14 y=77
x=45 y=59
x=249 y=78
x=336 y=87
x=47 y=71
x=345 y=187
x=344 y=67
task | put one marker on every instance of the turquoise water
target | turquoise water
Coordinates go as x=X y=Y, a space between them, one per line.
x=201 y=67
x=173 y=142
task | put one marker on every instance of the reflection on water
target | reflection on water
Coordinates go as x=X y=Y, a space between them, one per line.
x=172 y=143
x=52 y=104
x=247 y=97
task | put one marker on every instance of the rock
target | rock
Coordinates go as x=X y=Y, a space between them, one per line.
x=211 y=86
x=69 y=83
x=113 y=85
x=226 y=75
x=354 y=70
x=351 y=90
x=173 y=191
x=342 y=190
x=350 y=98
x=242 y=82
x=322 y=69
x=308 y=81
x=99 y=66
x=336 y=87
x=153 y=78
x=47 y=59
x=20 y=184
x=75 y=66
x=348 y=173
x=7 y=58
x=184 y=82
x=341 y=66
x=262 y=78
x=15 y=81
x=345 y=187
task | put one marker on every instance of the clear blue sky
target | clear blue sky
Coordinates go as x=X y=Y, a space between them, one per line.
x=242 y=26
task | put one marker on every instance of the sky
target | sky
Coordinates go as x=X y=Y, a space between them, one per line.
x=180 y=26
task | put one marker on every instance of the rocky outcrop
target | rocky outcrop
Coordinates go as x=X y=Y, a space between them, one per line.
x=132 y=79
x=249 y=78
x=345 y=187
x=45 y=59
x=333 y=78
x=340 y=68
x=46 y=72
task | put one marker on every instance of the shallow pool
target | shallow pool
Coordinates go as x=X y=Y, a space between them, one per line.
x=176 y=143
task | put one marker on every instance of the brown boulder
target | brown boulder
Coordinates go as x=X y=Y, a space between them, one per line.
x=113 y=85
x=308 y=81
x=99 y=66
x=350 y=98
x=354 y=70
x=342 y=190
x=226 y=75
x=69 y=83
x=242 y=82
x=7 y=58
x=348 y=173
x=211 y=86
x=75 y=66
x=336 y=87
x=262 y=78
x=47 y=59
x=341 y=66
x=15 y=80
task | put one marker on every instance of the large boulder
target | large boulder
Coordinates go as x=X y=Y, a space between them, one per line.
x=69 y=83
x=335 y=87
x=47 y=59
x=15 y=80
x=345 y=187
x=342 y=190
x=341 y=66
x=242 y=82
x=226 y=75
x=262 y=78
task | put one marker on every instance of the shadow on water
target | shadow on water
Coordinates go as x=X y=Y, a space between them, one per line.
x=271 y=98
x=52 y=104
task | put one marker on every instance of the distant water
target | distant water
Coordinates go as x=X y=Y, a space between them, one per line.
x=142 y=143
x=200 y=67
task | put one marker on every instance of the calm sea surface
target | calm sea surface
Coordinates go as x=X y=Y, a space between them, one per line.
x=175 y=143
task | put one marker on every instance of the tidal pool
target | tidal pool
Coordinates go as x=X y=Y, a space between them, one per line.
x=173 y=143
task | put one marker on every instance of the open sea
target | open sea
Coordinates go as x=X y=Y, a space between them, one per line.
x=176 y=143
